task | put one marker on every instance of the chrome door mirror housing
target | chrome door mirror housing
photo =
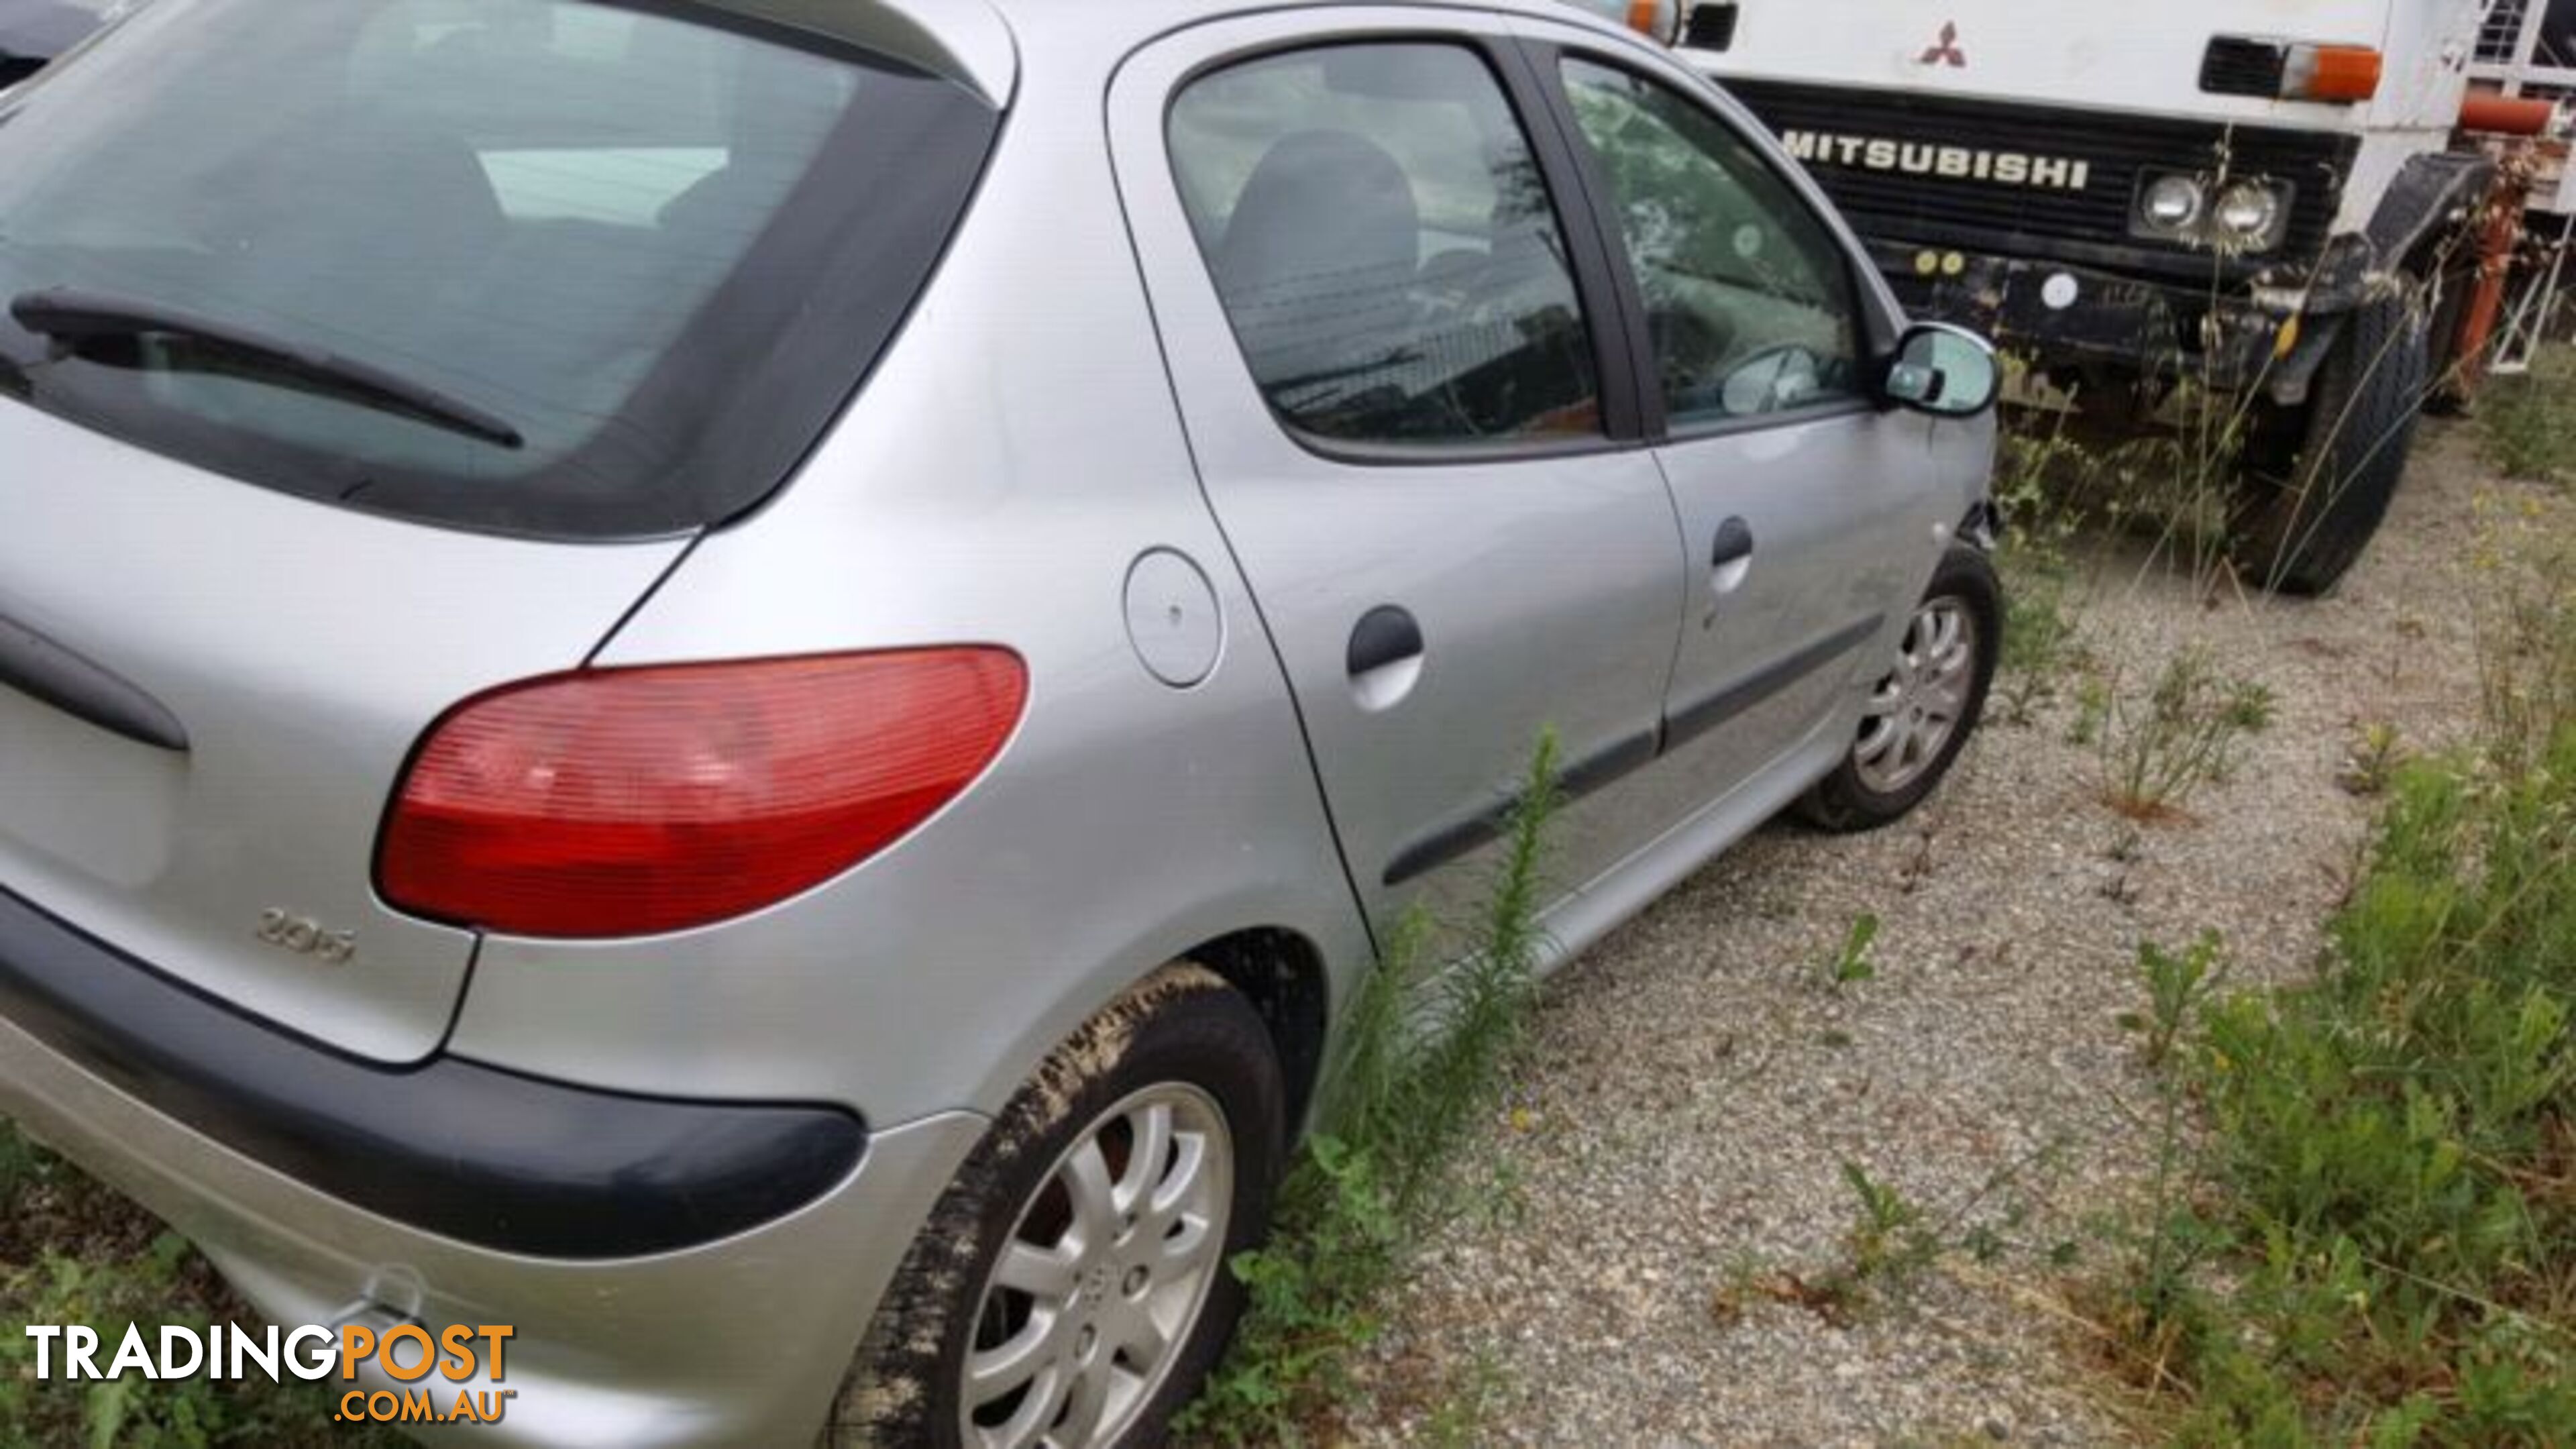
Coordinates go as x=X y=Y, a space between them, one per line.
x=1946 y=371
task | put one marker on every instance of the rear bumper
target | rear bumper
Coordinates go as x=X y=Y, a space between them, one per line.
x=490 y=1157
x=2074 y=314
x=737 y=1339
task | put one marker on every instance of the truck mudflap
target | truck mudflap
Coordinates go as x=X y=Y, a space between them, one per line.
x=2434 y=196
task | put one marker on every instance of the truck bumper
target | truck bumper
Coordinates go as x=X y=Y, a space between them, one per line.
x=2089 y=317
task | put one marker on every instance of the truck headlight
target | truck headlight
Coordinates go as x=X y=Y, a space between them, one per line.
x=2249 y=215
x=2171 y=203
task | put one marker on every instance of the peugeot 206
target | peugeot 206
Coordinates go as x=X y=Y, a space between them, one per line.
x=738 y=681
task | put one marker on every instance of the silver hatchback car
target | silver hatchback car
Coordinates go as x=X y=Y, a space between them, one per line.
x=738 y=681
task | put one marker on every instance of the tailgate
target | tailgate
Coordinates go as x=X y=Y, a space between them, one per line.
x=302 y=649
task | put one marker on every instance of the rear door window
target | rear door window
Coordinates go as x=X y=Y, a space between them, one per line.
x=536 y=266
x=1386 y=248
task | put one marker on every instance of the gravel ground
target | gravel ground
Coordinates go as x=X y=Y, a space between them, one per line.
x=1696 y=1088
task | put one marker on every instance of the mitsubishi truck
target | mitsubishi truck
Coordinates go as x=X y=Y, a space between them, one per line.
x=2271 y=201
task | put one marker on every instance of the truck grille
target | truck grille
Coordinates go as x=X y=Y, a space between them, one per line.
x=2090 y=224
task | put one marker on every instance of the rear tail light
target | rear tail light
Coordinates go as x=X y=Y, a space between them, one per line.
x=625 y=802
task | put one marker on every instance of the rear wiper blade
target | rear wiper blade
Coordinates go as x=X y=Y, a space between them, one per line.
x=73 y=316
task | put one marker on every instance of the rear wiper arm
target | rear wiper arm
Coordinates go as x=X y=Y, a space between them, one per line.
x=73 y=316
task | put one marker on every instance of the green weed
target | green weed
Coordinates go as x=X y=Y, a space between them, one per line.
x=1463 y=1416
x=2380 y=1245
x=2040 y=641
x=162 y=1283
x=2526 y=623
x=1890 y=1235
x=1418 y=1064
x=2157 y=748
x=1895 y=1239
x=1851 y=962
x=2370 y=763
x=2035 y=461
x=2529 y=422
x=2092 y=712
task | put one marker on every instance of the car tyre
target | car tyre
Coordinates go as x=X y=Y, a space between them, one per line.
x=2302 y=536
x=1182 y=1045
x=1922 y=712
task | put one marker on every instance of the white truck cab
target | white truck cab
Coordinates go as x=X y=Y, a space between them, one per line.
x=2266 y=196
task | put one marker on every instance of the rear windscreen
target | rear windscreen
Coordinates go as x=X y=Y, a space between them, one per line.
x=547 y=267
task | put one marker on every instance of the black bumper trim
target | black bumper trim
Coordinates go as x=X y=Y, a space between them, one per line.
x=479 y=1154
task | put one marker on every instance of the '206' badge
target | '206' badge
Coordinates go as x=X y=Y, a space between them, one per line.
x=307 y=937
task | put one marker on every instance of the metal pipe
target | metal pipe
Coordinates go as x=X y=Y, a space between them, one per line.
x=2506 y=115
x=2496 y=242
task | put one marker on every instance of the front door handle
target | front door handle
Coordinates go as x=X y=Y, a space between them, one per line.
x=1734 y=543
x=1730 y=562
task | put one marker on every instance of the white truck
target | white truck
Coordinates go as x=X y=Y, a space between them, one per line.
x=2272 y=197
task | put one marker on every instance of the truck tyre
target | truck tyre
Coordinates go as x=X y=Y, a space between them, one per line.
x=2447 y=396
x=2301 y=536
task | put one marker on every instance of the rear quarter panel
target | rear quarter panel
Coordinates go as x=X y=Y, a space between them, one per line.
x=1014 y=454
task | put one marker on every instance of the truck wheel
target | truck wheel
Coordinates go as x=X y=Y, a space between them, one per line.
x=2301 y=536
x=1072 y=1286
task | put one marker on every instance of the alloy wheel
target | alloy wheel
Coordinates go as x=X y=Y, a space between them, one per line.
x=1916 y=709
x=1097 y=1290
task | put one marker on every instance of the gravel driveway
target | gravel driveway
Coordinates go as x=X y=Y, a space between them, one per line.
x=1696 y=1087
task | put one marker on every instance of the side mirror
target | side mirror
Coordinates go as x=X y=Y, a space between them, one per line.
x=1949 y=372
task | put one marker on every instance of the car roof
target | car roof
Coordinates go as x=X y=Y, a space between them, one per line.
x=964 y=40
x=978 y=42
x=1142 y=20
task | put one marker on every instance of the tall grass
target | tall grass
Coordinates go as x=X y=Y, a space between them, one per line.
x=71 y=1252
x=2385 y=1249
x=2185 y=729
x=1417 y=1065
x=2529 y=422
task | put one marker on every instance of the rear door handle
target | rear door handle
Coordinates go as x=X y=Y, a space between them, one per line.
x=1385 y=658
x=1734 y=543
x=1385 y=636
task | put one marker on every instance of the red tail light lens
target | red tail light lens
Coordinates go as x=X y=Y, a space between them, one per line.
x=624 y=802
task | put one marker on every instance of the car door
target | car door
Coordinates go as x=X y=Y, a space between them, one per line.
x=1406 y=393
x=1811 y=515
